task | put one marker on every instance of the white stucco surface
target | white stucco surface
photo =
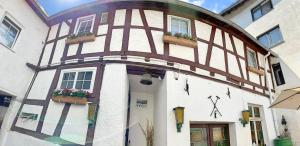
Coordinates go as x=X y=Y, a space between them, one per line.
x=46 y=54
x=136 y=18
x=217 y=59
x=27 y=123
x=182 y=52
x=154 y=18
x=120 y=17
x=157 y=37
x=138 y=41
x=116 y=40
x=95 y=46
x=41 y=85
x=72 y=50
x=64 y=29
x=59 y=50
x=203 y=30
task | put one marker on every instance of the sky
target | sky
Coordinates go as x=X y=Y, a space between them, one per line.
x=54 y=6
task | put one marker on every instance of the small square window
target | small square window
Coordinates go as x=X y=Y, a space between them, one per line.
x=77 y=80
x=85 y=25
x=104 y=18
x=271 y=37
x=261 y=9
x=279 y=78
x=179 y=25
x=252 y=62
x=9 y=32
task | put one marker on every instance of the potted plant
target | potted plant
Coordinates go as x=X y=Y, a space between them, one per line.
x=81 y=37
x=180 y=39
x=71 y=96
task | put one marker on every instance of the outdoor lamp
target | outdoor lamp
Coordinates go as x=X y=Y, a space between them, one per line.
x=179 y=115
x=146 y=79
x=245 y=117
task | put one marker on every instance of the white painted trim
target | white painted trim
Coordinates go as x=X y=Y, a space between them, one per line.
x=78 y=19
x=185 y=19
x=85 y=69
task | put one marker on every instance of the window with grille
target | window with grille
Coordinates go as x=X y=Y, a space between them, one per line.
x=80 y=80
x=85 y=25
x=271 y=38
x=256 y=125
x=261 y=9
x=179 y=25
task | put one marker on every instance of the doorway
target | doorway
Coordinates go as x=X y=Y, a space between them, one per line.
x=4 y=104
x=209 y=135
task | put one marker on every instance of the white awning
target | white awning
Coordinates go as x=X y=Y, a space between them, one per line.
x=288 y=99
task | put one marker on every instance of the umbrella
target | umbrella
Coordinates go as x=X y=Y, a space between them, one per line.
x=288 y=99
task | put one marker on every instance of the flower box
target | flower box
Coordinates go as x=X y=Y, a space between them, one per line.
x=179 y=41
x=79 y=39
x=70 y=99
x=255 y=70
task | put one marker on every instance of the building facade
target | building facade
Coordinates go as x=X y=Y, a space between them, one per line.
x=275 y=24
x=141 y=61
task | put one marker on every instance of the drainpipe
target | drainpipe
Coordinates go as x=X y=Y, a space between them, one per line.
x=270 y=94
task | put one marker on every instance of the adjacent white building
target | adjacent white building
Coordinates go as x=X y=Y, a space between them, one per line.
x=275 y=23
x=140 y=60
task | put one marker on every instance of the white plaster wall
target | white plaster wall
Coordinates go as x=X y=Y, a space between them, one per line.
x=21 y=140
x=228 y=42
x=52 y=117
x=154 y=18
x=59 y=51
x=218 y=37
x=138 y=41
x=25 y=50
x=157 y=38
x=217 y=59
x=72 y=50
x=76 y=124
x=160 y=115
x=116 y=40
x=202 y=52
x=41 y=85
x=111 y=122
x=102 y=29
x=120 y=17
x=47 y=54
x=53 y=31
x=29 y=124
x=140 y=115
x=233 y=67
x=64 y=29
x=203 y=30
x=95 y=46
x=198 y=108
x=239 y=45
x=182 y=52
x=136 y=18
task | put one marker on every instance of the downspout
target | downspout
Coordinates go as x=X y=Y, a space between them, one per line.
x=270 y=94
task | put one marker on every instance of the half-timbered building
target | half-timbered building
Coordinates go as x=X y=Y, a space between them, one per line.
x=144 y=63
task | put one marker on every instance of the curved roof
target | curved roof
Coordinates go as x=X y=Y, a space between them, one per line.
x=219 y=18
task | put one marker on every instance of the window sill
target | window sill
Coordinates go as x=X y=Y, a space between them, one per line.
x=255 y=70
x=87 y=38
x=179 y=41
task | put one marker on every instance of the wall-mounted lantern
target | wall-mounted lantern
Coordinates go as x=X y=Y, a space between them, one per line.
x=245 y=117
x=179 y=115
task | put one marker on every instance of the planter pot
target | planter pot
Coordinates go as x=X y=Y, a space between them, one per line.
x=179 y=41
x=87 y=38
x=69 y=99
x=283 y=142
x=255 y=70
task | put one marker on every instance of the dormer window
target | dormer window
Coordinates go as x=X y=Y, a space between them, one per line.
x=252 y=62
x=179 y=25
x=85 y=24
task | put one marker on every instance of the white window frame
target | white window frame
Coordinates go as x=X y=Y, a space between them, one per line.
x=185 y=19
x=256 y=63
x=255 y=119
x=78 y=23
x=104 y=13
x=14 y=26
x=77 y=70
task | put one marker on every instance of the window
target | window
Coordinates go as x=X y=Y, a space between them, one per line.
x=179 y=25
x=257 y=135
x=104 y=18
x=85 y=24
x=251 y=55
x=209 y=135
x=77 y=79
x=9 y=32
x=278 y=74
x=261 y=9
x=271 y=38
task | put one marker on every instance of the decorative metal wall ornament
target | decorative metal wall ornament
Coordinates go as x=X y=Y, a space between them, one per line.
x=228 y=93
x=186 y=89
x=215 y=111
